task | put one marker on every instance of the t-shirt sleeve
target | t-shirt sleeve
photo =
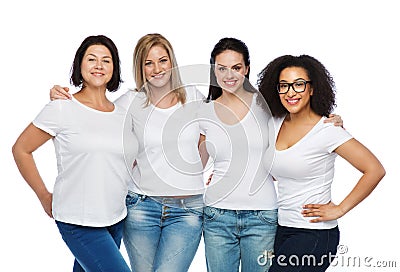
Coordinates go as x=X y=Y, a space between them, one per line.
x=203 y=117
x=50 y=117
x=193 y=94
x=335 y=136
x=202 y=128
x=199 y=95
x=124 y=101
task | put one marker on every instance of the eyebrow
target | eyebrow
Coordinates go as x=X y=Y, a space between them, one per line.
x=237 y=64
x=159 y=58
x=300 y=78
x=93 y=55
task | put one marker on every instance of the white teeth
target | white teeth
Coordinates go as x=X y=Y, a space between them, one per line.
x=158 y=76
x=230 y=82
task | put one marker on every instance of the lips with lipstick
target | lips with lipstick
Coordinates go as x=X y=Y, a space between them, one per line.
x=292 y=101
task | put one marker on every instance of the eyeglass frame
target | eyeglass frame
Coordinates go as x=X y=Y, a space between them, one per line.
x=291 y=85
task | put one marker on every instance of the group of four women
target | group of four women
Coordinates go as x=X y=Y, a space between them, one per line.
x=133 y=168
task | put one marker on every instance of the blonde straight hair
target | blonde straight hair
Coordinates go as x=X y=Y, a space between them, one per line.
x=142 y=49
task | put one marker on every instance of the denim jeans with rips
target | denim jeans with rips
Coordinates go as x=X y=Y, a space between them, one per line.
x=162 y=234
x=239 y=238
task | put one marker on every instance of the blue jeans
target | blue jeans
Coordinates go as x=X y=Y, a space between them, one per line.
x=95 y=248
x=162 y=233
x=236 y=238
x=305 y=250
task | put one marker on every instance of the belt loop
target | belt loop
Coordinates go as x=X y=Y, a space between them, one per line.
x=182 y=200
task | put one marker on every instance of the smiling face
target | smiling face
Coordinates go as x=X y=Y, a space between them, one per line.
x=295 y=102
x=230 y=70
x=157 y=67
x=97 y=66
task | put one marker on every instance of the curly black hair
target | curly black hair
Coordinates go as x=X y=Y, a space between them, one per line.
x=323 y=98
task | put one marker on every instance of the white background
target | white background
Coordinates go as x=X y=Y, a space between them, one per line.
x=358 y=41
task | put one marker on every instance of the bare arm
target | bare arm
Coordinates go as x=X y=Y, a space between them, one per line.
x=29 y=140
x=58 y=92
x=366 y=162
x=203 y=150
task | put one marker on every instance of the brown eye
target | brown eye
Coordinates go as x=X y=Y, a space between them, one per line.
x=283 y=86
x=299 y=84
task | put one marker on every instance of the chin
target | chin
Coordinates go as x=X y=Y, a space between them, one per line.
x=230 y=90
x=158 y=84
x=292 y=110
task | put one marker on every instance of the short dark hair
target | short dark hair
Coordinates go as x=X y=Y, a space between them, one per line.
x=323 y=99
x=224 y=44
x=76 y=76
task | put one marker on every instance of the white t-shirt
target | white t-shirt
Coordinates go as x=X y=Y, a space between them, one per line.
x=240 y=180
x=305 y=171
x=168 y=162
x=92 y=180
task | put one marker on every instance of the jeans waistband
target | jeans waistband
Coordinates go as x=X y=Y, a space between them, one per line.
x=236 y=212
x=195 y=201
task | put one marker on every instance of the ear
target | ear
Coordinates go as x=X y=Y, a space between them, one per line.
x=247 y=70
x=311 y=91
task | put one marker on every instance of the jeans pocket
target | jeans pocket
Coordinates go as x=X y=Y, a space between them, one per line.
x=211 y=213
x=133 y=199
x=269 y=216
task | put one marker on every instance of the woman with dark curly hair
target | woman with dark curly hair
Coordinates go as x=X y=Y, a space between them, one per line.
x=301 y=94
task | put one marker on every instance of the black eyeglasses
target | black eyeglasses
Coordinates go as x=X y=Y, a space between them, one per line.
x=298 y=86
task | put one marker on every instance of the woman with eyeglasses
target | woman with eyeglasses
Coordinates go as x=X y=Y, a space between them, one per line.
x=240 y=216
x=301 y=94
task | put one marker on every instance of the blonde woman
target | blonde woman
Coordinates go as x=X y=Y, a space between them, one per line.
x=165 y=205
